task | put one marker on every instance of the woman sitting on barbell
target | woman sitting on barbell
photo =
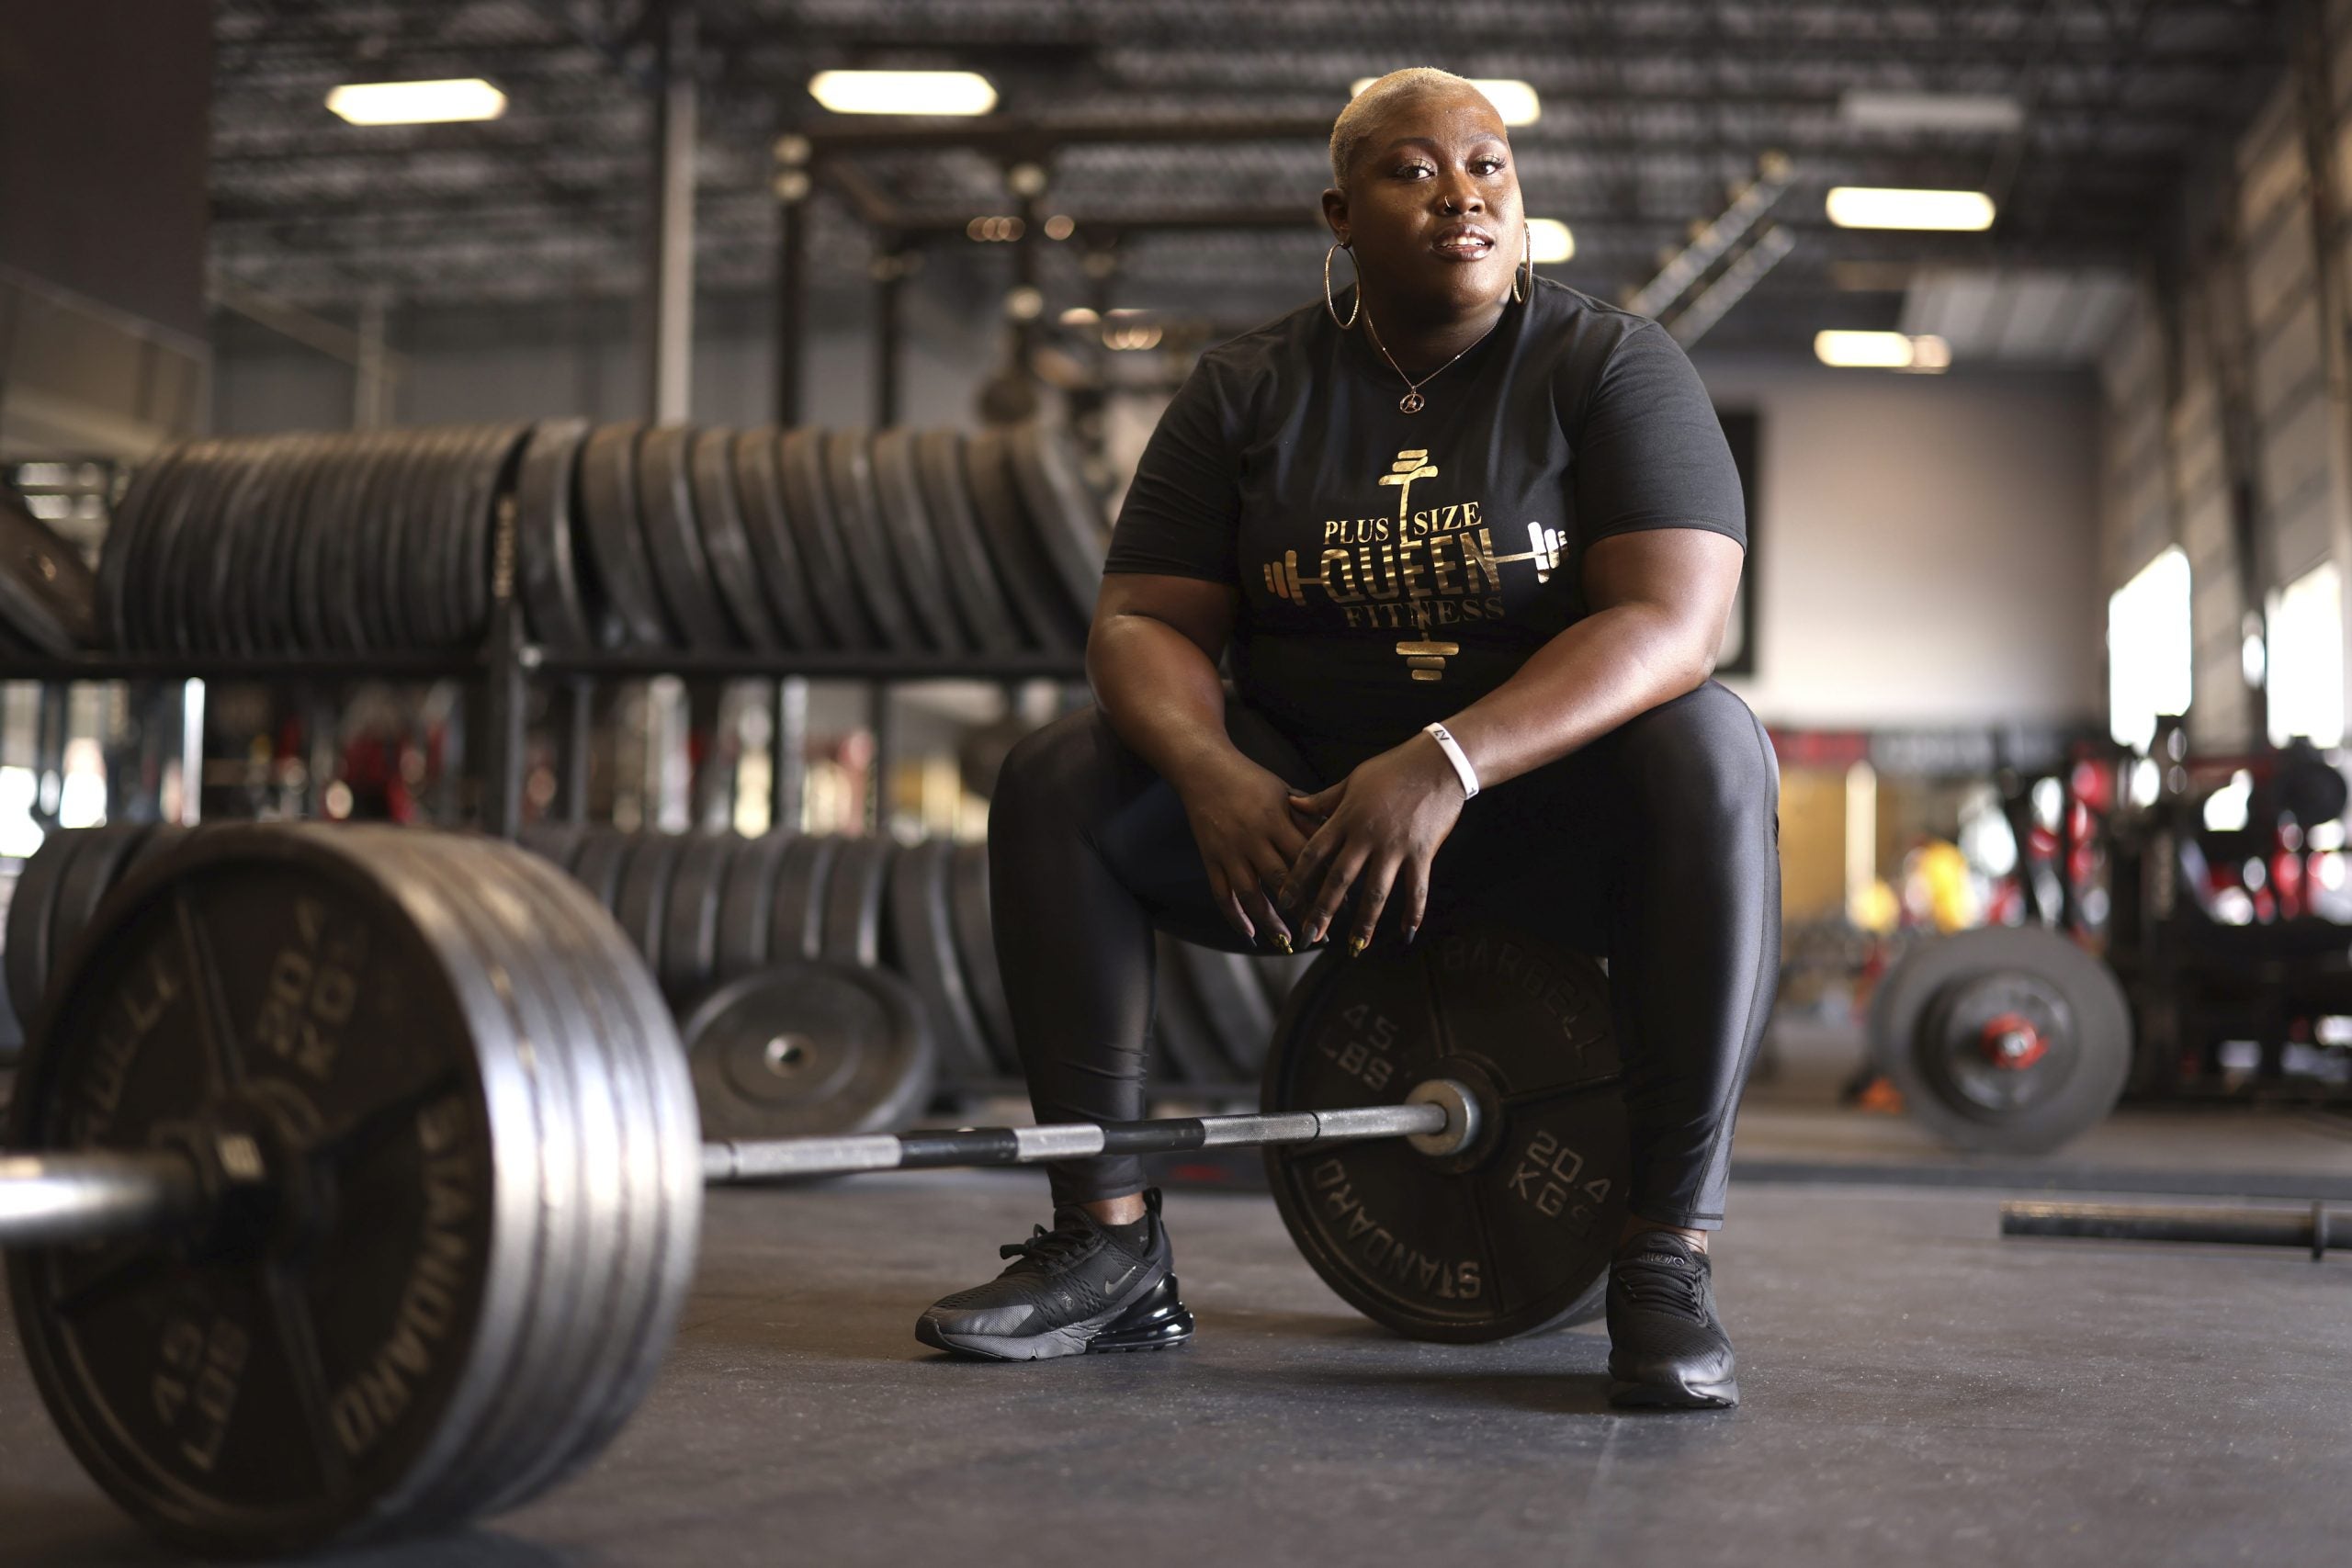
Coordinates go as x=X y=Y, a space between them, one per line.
x=1459 y=532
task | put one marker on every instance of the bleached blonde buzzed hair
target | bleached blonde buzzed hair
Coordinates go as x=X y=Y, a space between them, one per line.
x=1355 y=122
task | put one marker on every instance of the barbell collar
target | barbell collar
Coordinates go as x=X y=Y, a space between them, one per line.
x=47 y=1198
x=749 y=1160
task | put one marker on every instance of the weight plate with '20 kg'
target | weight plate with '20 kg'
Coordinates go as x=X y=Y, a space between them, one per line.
x=400 y=1142
x=1514 y=1234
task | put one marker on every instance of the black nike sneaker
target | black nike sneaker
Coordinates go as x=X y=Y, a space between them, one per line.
x=1072 y=1290
x=1666 y=1349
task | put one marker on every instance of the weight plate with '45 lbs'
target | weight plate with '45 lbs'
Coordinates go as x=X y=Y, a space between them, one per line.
x=2003 y=1038
x=1512 y=1235
x=809 y=1048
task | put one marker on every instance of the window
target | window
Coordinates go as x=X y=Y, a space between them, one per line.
x=2307 y=658
x=2149 y=648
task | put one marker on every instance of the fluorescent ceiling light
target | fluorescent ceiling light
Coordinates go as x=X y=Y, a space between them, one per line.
x=1550 y=240
x=1988 y=112
x=1882 y=351
x=417 y=103
x=1514 y=101
x=1870 y=206
x=903 y=92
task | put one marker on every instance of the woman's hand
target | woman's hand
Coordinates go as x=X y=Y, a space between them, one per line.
x=1241 y=820
x=1381 y=827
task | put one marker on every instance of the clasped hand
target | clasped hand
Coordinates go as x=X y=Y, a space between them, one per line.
x=1282 y=865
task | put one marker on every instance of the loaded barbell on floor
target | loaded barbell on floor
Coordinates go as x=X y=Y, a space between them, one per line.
x=358 y=1182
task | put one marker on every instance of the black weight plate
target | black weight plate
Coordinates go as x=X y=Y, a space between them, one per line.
x=1924 y=1037
x=163 y=560
x=99 y=862
x=1179 y=1024
x=848 y=485
x=440 y=529
x=324 y=505
x=906 y=522
x=546 y=576
x=923 y=948
x=824 y=557
x=665 y=505
x=809 y=1049
x=938 y=457
x=118 y=550
x=644 y=892
x=186 y=556
x=419 y=556
x=967 y=892
x=269 y=609
x=1065 y=515
x=759 y=486
x=727 y=541
x=690 y=915
x=557 y=843
x=600 y=862
x=1234 y=1004
x=48 y=596
x=413 y=541
x=797 y=914
x=1027 y=578
x=238 y=548
x=747 y=903
x=392 y=525
x=322 y=467
x=356 y=586
x=485 y=473
x=852 y=929
x=615 y=539
x=1512 y=1235
x=32 y=915
x=417 y=1111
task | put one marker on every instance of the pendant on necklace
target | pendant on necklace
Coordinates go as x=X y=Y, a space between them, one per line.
x=1410 y=403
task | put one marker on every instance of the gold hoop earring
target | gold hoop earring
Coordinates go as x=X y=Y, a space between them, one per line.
x=1332 y=305
x=1527 y=265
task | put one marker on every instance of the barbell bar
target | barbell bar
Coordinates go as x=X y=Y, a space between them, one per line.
x=64 y=1199
x=357 y=1184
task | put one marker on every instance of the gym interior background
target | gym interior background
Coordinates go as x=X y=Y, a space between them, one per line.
x=662 y=460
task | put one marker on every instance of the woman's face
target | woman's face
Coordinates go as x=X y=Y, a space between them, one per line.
x=1432 y=205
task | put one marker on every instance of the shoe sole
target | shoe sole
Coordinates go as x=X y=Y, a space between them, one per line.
x=1721 y=1395
x=1158 y=1329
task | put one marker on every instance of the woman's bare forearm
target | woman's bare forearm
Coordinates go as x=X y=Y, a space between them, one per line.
x=1160 y=692
x=1606 y=668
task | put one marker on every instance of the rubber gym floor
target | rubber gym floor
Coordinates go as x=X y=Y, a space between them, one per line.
x=1916 y=1390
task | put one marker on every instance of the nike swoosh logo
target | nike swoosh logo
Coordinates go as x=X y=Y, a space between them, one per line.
x=1116 y=1286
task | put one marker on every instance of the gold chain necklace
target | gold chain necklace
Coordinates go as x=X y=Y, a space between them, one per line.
x=1412 y=401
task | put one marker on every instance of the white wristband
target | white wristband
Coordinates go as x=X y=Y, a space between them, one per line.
x=1456 y=755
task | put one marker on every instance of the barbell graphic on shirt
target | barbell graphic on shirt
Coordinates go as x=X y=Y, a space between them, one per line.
x=1286 y=582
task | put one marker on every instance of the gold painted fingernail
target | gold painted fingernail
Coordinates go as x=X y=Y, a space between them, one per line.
x=1282 y=943
x=1356 y=947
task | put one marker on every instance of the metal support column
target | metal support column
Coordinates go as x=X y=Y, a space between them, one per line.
x=788 y=770
x=890 y=268
x=671 y=281
x=504 y=750
x=791 y=275
x=576 y=725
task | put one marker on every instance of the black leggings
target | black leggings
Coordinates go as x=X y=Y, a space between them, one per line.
x=1657 y=847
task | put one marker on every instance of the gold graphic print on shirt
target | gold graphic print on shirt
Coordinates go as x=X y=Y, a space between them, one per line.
x=1419 y=571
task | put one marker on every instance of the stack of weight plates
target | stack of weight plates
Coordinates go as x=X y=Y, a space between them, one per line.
x=930 y=544
x=708 y=910
x=350 y=541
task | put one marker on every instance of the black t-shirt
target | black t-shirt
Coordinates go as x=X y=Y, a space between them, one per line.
x=1394 y=568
